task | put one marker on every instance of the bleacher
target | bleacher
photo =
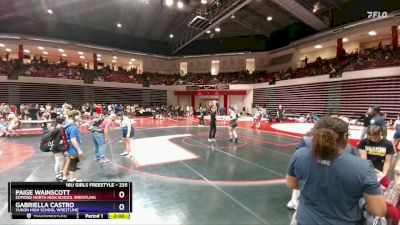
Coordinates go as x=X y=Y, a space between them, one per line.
x=347 y=98
x=36 y=93
x=55 y=71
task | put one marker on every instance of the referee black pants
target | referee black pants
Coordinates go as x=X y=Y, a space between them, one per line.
x=213 y=130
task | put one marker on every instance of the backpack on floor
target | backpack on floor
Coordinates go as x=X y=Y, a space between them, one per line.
x=55 y=141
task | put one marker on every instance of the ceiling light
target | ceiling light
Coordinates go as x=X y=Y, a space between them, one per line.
x=80 y=53
x=98 y=59
x=113 y=60
x=217 y=29
x=171 y=36
x=2 y=45
x=119 y=25
x=318 y=46
x=345 y=40
x=115 y=57
x=61 y=50
x=316 y=7
x=180 y=5
x=82 y=57
x=203 y=1
x=169 y=3
x=269 y=18
x=27 y=51
x=8 y=50
x=40 y=48
x=133 y=60
x=49 y=11
x=46 y=53
x=98 y=55
x=65 y=55
x=208 y=31
x=233 y=16
x=130 y=63
x=372 y=33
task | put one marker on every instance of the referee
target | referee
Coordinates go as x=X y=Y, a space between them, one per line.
x=213 y=124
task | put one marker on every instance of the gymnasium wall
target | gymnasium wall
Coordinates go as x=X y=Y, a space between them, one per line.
x=237 y=101
x=183 y=100
x=276 y=56
x=227 y=63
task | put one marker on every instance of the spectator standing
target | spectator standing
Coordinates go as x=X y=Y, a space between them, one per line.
x=101 y=136
x=329 y=183
x=366 y=122
x=396 y=136
x=45 y=128
x=202 y=114
x=128 y=132
x=213 y=124
x=280 y=113
x=222 y=110
x=377 y=149
x=234 y=123
x=74 y=141
x=99 y=109
x=379 y=120
x=59 y=157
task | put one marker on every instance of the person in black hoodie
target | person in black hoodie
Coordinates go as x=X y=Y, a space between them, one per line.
x=213 y=124
x=366 y=118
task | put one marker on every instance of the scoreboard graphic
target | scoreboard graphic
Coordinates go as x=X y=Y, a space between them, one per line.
x=77 y=200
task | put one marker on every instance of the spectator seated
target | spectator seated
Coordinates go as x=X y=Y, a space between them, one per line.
x=8 y=66
x=365 y=59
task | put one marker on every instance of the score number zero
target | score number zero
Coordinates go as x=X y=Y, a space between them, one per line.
x=121 y=194
x=121 y=206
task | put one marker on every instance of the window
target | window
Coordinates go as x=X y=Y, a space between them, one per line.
x=214 y=67
x=250 y=65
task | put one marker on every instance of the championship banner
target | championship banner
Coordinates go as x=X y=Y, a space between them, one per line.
x=208 y=87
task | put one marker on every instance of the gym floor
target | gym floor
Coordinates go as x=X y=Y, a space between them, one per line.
x=178 y=176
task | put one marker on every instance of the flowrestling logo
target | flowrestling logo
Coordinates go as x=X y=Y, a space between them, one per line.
x=376 y=14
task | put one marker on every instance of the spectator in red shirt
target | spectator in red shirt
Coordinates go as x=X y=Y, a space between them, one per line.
x=99 y=109
x=391 y=195
x=13 y=109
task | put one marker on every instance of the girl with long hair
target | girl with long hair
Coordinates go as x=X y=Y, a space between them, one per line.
x=234 y=123
x=331 y=181
x=59 y=157
x=74 y=143
x=127 y=134
x=377 y=149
